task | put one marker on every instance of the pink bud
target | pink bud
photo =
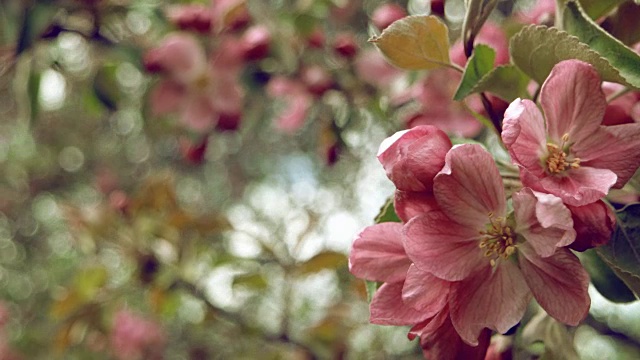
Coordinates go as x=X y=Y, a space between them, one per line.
x=316 y=39
x=194 y=17
x=594 y=223
x=345 y=45
x=256 y=41
x=317 y=79
x=385 y=14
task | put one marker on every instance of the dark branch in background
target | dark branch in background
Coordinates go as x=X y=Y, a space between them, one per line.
x=240 y=322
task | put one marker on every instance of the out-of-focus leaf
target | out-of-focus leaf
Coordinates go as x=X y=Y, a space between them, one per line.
x=505 y=81
x=604 y=279
x=66 y=305
x=597 y=8
x=557 y=340
x=415 y=43
x=106 y=87
x=372 y=287
x=479 y=65
x=477 y=13
x=35 y=19
x=536 y=49
x=210 y=224
x=622 y=253
x=34 y=89
x=322 y=261
x=88 y=281
x=625 y=60
x=156 y=194
x=623 y=24
x=164 y=302
x=387 y=213
x=252 y=281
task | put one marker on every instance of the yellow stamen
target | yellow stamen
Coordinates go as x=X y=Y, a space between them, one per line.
x=557 y=159
x=497 y=240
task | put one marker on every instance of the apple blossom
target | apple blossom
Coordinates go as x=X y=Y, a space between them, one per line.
x=568 y=153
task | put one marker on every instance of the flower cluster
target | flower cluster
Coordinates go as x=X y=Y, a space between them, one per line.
x=469 y=256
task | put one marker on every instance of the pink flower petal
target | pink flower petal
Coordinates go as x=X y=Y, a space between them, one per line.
x=438 y=245
x=445 y=344
x=199 y=114
x=581 y=186
x=573 y=101
x=378 y=254
x=409 y=204
x=413 y=157
x=543 y=220
x=166 y=97
x=387 y=307
x=594 y=224
x=614 y=148
x=425 y=292
x=558 y=282
x=524 y=135
x=495 y=298
x=469 y=187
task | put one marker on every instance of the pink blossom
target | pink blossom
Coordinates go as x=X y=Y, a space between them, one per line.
x=594 y=224
x=196 y=17
x=495 y=260
x=372 y=68
x=570 y=155
x=256 y=42
x=624 y=109
x=133 y=337
x=435 y=95
x=230 y=14
x=200 y=91
x=411 y=159
x=296 y=99
x=409 y=296
x=385 y=14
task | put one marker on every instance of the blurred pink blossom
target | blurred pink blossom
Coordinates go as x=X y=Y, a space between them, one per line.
x=491 y=34
x=194 y=17
x=296 y=99
x=385 y=14
x=542 y=12
x=371 y=67
x=134 y=337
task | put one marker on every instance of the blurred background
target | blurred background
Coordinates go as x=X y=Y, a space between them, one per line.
x=183 y=179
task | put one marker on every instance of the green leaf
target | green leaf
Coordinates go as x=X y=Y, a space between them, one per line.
x=506 y=81
x=415 y=43
x=536 y=49
x=477 y=13
x=371 y=287
x=604 y=278
x=252 y=281
x=90 y=280
x=479 y=64
x=105 y=87
x=622 y=253
x=387 y=213
x=597 y=8
x=322 y=261
x=625 y=60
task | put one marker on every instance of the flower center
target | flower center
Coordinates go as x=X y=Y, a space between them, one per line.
x=558 y=160
x=497 y=240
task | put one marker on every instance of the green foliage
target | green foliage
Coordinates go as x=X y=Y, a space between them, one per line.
x=597 y=8
x=477 y=13
x=604 y=279
x=622 y=253
x=415 y=43
x=479 y=65
x=505 y=81
x=327 y=260
x=625 y=60
x=387 y=213
x=536 y=49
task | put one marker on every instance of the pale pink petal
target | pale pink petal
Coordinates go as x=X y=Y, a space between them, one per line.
x=438 y=245
x=524 y=135
x=167 y=97
x=295 y=114
x=378 y=254
x=371 y=67
x=429 y=327
x=469 y=187
x=542 y=11
x=495 y=298
x=594 y=224
x=182 y=57
x=387 y=307
x=559 y=283
x=614 y=148
x=199 y=114
x=413 y=157
x=580 y=186
x=543 y=220
x=409 y=204
x=425 y=292
x=572 y=101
